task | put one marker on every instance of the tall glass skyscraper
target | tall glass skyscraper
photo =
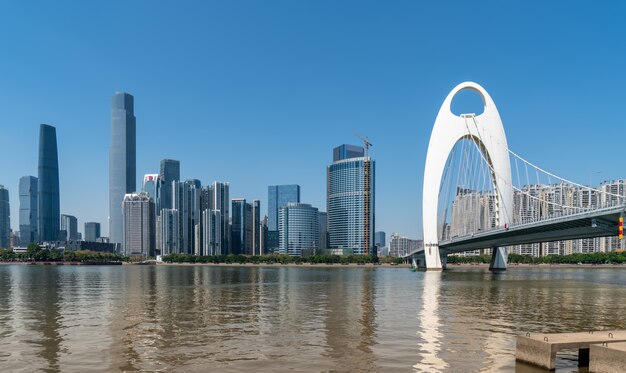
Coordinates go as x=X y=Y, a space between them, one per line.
x=49 y=209
x=299 y=229
x=5 y=217
x=241 y=227
x=122 y=160
x=28 y=210
x=278 y=196
x=170 y=171
x=350 y=201
x=219 y=201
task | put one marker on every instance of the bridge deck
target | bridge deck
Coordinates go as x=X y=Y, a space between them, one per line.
x=541 y=349
x=595 y=223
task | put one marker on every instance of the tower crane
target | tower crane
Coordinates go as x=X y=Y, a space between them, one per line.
x=366 y=142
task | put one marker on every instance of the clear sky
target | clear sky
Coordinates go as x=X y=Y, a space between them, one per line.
x=259 y=92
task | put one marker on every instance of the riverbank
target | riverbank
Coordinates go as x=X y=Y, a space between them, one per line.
x=40 y=263
x=307 y=265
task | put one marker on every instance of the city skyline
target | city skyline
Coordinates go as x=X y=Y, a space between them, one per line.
x=386 y=81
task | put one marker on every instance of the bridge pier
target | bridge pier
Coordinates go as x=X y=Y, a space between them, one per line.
x=432 y=257
x=499 y=258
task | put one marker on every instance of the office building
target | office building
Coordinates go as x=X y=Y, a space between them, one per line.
x=323 y=220
x=48 y=209
x=5 y=218
x=69 y=227
x=278 y=196
x=186 y=199
x=122 y=160
x=379 y=239
x=219 y=201
x=92 y=231
x=169 y=232
x=169 y=172
x=298 y=227
x=350 y=201
x=211 y=236
x=256 y=228
x=241 y=227
x=28 y=210
x=151 y=186
x=139 y=225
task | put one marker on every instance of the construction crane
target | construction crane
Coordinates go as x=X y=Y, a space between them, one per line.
x=366 y=142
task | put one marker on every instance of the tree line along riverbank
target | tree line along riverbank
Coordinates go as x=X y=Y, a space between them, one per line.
x=36 y=254
x=279 y=259
x=590 y=258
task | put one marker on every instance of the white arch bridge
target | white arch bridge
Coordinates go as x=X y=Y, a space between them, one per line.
x=527 y=206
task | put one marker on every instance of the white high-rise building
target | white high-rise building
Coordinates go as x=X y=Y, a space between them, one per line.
x=139 y=225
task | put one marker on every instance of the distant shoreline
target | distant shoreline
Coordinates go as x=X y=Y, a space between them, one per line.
x=451 y=266
x=330 y=265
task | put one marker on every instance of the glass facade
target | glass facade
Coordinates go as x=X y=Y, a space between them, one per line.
x=170 y=171
x=69 y=225
x=92 y=231
x=5 y=217
x=122 y=160
x=241 y=227
x=298 y=227
x=28 y=210
x=351 y=204
x=278 y=196
x=151 y=186
x=49 y=210
x=219 y=199
x=346 y=151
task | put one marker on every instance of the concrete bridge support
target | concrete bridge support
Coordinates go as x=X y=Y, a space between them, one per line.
x=499 y=258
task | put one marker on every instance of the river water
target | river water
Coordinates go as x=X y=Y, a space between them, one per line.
x=293 y=319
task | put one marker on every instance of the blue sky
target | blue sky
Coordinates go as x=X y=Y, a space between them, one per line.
x=259 y=92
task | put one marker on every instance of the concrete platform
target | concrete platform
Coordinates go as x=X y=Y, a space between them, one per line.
x=541 y=349
x=607 y=358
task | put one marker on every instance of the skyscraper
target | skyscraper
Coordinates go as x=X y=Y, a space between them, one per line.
x=5 y=218
x=186 y=199
x=170 y=171
x=350 y=200
x=69 y=225
x=151 y=186
x=139 y=225
x=49 y=210
x=299 y=230
x=278 y=196
x=169 y=234
x=241 y=227
x=28 y=210
x=256 y=228
x=219 y=201
x=122 y=160
x=323 y=219
x=211 y=225
x=92 y=231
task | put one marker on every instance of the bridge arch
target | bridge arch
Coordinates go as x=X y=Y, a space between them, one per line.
x=487 y=131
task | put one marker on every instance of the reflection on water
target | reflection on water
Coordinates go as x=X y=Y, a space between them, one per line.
x=341 y=319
